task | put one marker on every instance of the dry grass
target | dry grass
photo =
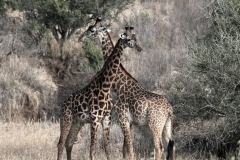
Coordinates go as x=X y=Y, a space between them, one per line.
x=26 y=141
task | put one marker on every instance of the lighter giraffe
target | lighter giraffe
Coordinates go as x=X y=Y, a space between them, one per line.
x=93 y=104
x=136 y=105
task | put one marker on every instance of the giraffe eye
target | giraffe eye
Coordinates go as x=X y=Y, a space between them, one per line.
x=92 y=29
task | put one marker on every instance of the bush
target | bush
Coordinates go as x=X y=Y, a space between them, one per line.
x=26 y=89
x=94 y=55
x=209 y=88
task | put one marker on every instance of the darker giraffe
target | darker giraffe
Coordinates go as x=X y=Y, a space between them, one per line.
x=92 y=104
x=135 y=105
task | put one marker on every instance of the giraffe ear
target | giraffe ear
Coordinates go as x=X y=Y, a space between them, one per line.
x=108 y=30
x=122 y=36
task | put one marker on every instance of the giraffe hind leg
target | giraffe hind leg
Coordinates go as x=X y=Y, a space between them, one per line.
x=156 y=126
x=158 y=145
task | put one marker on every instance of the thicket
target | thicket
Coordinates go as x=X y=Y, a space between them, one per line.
x=208 y=90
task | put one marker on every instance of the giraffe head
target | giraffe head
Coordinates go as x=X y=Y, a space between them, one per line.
x=95 y=31
x=129 y=39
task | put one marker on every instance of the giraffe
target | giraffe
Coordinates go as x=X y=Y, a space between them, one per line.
x=93 y=104
x=135 y=105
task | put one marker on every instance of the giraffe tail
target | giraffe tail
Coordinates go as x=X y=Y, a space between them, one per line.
x=167 y=136
x=170 y=150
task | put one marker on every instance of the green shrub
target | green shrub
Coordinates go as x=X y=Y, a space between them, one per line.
x=94 y=55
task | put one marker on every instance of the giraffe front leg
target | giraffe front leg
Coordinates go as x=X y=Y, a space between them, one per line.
x=94 y=129
x=75 y=128
x=64 y=131
x=106 y=130
x=127 y=144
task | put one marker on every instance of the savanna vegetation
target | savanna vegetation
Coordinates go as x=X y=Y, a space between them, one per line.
x=191 y=55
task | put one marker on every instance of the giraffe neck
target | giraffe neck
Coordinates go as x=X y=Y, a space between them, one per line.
x=109 y=71
x=122 y=74
x=107 y=45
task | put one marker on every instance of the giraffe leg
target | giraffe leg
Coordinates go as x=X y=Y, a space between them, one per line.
x=158 y=146
x=127 y=144
x=126 y=129
x=64 y=130
x=156 y=128
x=75 y=128
x=94 y=129
x=106 y=130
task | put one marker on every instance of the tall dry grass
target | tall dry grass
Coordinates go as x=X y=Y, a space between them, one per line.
x=27 y=141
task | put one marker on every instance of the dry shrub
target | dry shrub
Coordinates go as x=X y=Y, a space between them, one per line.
x=26 y=87
x=50 y=47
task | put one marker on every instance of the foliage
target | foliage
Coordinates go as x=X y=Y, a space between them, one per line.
x=7 y=4
x=210 y=88
x=64 y=17
x=94 y=55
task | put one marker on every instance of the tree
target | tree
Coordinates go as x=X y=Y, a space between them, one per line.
x=63 y=17
x=210 y=88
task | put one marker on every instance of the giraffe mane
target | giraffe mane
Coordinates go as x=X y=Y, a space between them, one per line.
x=110 y=39
x=128 y=74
